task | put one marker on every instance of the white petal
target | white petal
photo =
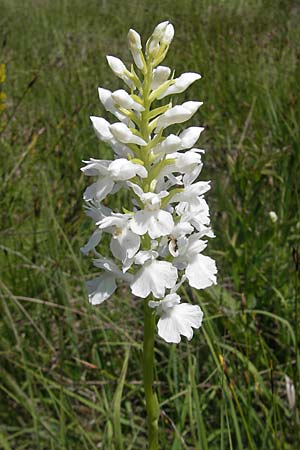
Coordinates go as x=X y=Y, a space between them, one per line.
x=156 y=223
x=179 y=320
x=101 y=127
x=122 y=98
x=140 y=222
x=92 y=242
x=107 y=265
x=135 y=46
x=181 y=84
x=119 y=69
x=121 y=132
x=145 y=255
x=168 y=302
x=137 y=189
x=181 y=229
x=116 y=65
x=177 y=114
x=190 y=136
x=115 y=219
x=160 y=75
x=168 y=35
x=169 y=145
x=201 y=272
x=97 y=213
x=192 y=106
x=155 y=276
x=101 y=288
x=99 y=190
x=122 y=169
x=125 y=244
x=192 y=193
x=159 y=30
x=160 y=224
x=95 y=167
x=168 y=330
x=134 y=39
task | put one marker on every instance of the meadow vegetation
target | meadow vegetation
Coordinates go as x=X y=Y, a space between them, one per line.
x=69 y=370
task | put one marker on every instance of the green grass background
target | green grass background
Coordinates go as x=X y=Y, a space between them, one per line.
x=63 y=363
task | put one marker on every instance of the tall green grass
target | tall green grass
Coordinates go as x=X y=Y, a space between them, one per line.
x=70 y=374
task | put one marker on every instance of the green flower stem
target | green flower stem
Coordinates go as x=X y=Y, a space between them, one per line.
x=152 y=406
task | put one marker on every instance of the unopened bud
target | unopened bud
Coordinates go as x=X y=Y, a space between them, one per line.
x=135 y=46
x=168 y=35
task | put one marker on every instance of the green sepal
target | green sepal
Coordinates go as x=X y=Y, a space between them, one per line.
x=155 y=112
x=131 y=115
x=126 y=211
x=169 y=197
x=158 y=168
x=162 y=88
x=137 y=161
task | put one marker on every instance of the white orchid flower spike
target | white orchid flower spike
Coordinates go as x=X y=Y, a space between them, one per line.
x=155 y=238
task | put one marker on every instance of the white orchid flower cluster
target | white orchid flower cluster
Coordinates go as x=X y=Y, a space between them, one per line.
x=158 y=243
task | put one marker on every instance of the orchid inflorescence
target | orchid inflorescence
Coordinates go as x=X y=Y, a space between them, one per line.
x=157 y=243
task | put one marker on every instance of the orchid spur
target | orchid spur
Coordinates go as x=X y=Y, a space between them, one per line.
x=157 y=244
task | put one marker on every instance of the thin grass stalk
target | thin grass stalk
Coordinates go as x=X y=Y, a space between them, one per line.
x=117 y=403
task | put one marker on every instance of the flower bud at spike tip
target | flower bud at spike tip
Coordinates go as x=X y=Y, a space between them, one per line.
x=168 y=35
x=135 y=46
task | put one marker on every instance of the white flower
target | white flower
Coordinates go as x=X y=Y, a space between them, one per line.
x=151 y=219
x=154 y=277
x=102 y=287
x=124 y=243
x=135 y=46
x=192 y=194
x=177 y=114
x=197 y=215
x=101 y=127
x=123 y=134
x=105 y=96
x=102 y=130
x=176 y=318
x=200 y=270
x=174 y=143
x=181 y=84
x=180 y=229
x=125 y=100
x=188 y=163
x=119 y=69
x=168 y=244
x=160 y=75
x=110 y=172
